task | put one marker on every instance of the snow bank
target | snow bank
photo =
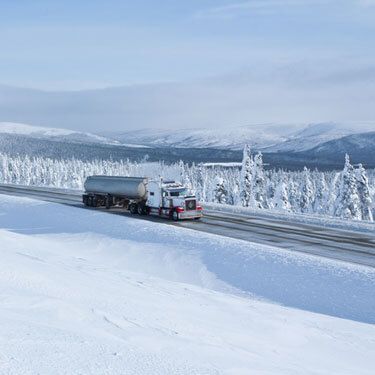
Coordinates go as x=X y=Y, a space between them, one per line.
x=292 y=279
x=86 y=292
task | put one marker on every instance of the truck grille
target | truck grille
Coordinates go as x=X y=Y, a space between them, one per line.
x=191 y=205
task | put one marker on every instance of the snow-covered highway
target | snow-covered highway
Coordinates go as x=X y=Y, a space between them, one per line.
x=339 y=244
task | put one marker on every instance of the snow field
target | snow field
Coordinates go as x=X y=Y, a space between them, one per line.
x=84 y=292
x=43 y=132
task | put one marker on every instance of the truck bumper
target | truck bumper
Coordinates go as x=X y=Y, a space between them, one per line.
x=190 y=215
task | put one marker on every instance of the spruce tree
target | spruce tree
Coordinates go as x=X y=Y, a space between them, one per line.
x=364 y=193
x=281 y=197
x=259 y=184
x=320 y=196
x=246 y=177
x=307 y=192
x=221 y=192
x=348 y=205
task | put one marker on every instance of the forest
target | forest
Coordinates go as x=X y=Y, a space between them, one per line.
x=347 y=194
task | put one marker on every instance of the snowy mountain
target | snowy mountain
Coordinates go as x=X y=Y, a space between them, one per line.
x=316 y=134
x=258 y=136
x=66 y=148
x=291 y=147
x=56 y=134
x=267 y=137
x=360 y=147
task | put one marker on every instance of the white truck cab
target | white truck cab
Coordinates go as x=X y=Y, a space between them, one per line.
x=173 y=199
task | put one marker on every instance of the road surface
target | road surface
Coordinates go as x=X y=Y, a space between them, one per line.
x=348 y=246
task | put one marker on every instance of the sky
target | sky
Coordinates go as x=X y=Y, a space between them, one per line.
x=250 y=61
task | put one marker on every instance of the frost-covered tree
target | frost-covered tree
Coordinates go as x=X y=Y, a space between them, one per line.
x=281 y=197
x=364 y=193
x=259 y=193
x=332 y=194
x=307 y=192
x=293 y=195
x=246 y=177
x=202 y=182
x=185 y=175
x=348 y=204
x=221 y=192
x=320 y=196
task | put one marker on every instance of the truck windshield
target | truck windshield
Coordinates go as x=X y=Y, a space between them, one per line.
x=178 y=192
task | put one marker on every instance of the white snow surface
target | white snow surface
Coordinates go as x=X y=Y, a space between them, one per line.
x=44 y=132
x=316 y=134
x=84 y=292
x=25 y=129
x=265 y=137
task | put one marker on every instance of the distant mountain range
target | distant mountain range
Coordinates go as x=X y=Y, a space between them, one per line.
x=266 y=137
x=316 y=145
x=360 y=147
x=258 y=136
x=52 y=133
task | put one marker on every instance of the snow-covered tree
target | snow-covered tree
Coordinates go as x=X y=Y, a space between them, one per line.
x=293 y=195
x=259 y=193
x=307 y=192
x=281 y=197
x=246 y=177
x=185 y=175
x=364 y=193
x=348 y=204
x=332 y=194
x=221 y=192
x=320 y=196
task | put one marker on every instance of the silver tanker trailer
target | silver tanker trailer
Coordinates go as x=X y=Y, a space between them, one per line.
x=142 y=196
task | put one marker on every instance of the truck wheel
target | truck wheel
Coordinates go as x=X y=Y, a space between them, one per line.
x=94 y=201
x=133 y=208
x=175 y=216
x=140 y=210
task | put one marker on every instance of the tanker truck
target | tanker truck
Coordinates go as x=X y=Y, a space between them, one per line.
x=142 y=196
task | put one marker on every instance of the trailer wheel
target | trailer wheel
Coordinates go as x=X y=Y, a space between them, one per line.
x=175 y=216
x=108 y=201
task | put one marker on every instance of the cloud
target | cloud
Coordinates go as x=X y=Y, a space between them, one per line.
x=256 y=6
x=318 y=91
x=233 y=10
x=367 y=3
